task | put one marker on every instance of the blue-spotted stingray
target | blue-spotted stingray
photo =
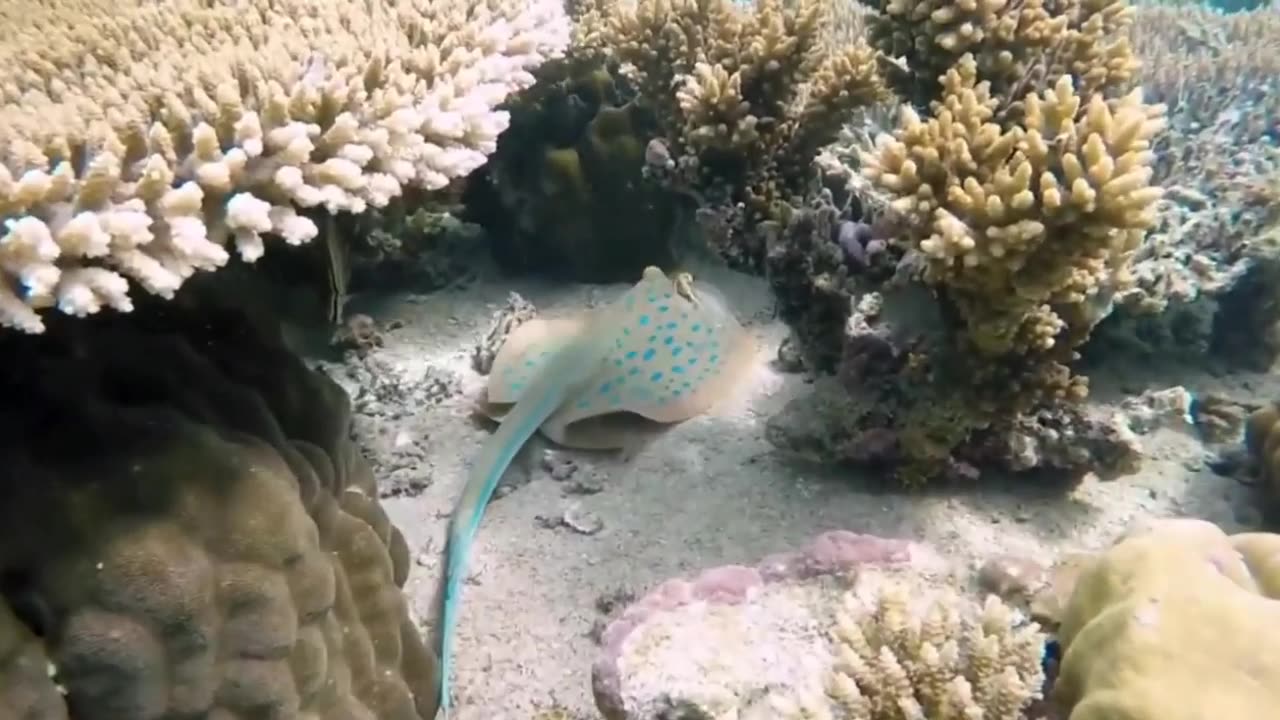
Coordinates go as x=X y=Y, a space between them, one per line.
x=662 y=353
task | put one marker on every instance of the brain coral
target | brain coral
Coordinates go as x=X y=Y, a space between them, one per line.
x=194 y=536
x=137 y=139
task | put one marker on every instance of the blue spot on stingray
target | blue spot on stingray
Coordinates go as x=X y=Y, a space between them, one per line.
x=617 y=363
x=713 y=358
x=663 y=308
x=644 y=320
x=648 y=354
x=653 y=297
x=620 y=380
x=626 y=331
x=693 y=361
x=671 y=326
x=675 y=351
x=634 y=371
x=604 y=389
x=618 y=343
x=583 y=404
x=696 y=327
x=653 y=338
x=686 y=385
x=711 y=331
x=675 y=393
x=631 y=354
x=615 y=401
x=655 y=377
x=666 y=295
x=677 y=369
x=517 y=386
x=527 y=363
x=668 y=340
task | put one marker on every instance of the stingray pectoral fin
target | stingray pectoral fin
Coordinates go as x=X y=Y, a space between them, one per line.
x=525 y=353
x=610 y=431
x=668 y=357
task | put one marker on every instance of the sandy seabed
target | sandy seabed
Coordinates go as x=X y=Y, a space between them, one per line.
x=711 y=491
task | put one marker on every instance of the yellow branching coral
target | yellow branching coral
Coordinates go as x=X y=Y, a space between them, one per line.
x=1041 y=214
x=943 y=659
x=137 y=139
x=746 y=94
x=1028 y=188
x=1011 y=42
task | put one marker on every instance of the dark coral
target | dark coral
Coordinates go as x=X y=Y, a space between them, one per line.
x=187 y=530
x=564 y=194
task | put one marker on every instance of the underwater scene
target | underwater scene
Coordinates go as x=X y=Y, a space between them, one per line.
x=639 y=360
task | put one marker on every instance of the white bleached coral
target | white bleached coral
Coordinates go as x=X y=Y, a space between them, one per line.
x=137 y=139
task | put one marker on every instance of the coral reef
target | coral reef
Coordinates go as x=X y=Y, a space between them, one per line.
x=1204 y=276
x=418 y=247
x=1025 y=211
x=1174 y=622
x=1015 y=189
x=1014 y=44
x=141 y=139
x=564 y=194
x=745 y=95
x=194 y=535
x=831 y=623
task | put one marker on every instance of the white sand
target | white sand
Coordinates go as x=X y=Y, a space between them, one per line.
x=709 y=492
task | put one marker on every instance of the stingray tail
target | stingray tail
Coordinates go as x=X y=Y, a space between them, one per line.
x=499 y=451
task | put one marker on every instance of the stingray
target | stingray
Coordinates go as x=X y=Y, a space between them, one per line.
x=662 y=353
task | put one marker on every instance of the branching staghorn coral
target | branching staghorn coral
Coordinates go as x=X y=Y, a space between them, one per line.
x=946 y=660
x=1017 y=44
x=138 y=139
x=1026 y=208
x=746 y=94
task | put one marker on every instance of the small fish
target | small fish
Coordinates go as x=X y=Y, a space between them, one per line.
x=664 y=352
